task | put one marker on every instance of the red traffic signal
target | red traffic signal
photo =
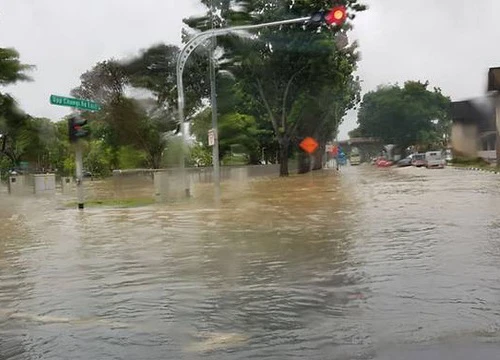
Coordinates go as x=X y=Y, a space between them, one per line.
x=78 y=128
x=336 y=16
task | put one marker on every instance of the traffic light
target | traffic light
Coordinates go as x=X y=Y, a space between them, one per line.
x=335 y=16
x=77 y=128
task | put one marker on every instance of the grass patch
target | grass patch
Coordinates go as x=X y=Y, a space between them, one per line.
x=477 y=163
x=470 y=162
x=116 y=203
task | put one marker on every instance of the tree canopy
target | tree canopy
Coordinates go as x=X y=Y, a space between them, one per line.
x=406 y=116
x=275 y=86
x=297 y=78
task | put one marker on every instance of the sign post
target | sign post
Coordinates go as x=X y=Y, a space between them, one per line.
x=79 y=175
x=309 y=145
x=75 y=134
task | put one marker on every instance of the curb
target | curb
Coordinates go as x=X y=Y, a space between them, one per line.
x=477 y=169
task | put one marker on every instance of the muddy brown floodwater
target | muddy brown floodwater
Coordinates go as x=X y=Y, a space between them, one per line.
x=365 y=264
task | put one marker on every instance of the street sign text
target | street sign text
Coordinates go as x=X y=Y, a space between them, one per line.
x=74 y=103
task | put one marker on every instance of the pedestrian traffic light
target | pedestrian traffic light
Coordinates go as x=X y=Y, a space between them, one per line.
x=77 y=128
x=335 y=16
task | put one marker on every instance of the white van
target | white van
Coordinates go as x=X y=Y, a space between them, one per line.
x=434 y=159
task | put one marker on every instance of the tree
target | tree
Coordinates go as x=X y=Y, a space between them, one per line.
x=15 y=137
x=235 y=129
x=405 y=116
x=11 y=68
x=12 y=119
x=124 y=120
x=279 y=66
x=154 y=69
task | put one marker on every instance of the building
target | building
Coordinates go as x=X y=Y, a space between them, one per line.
x=473 y=132
x=476 y=123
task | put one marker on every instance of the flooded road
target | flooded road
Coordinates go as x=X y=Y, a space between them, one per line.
x=368 y=264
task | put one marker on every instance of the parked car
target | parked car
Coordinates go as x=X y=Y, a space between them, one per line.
x=434 y=159
x=404 y=162
x=382 y=162
x=418 y=160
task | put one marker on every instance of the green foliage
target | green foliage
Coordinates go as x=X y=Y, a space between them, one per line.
x=292 y=79
x=126 y=121
x=478 y=161
x=201 y=155
x=98 y=158
x=235 y=160
x=173 y=151
x=129 y=158
x=11 y=68
x=239 y=130
x=154 y=69
x=409 y=115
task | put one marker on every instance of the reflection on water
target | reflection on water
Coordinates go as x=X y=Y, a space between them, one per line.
x=323 y=266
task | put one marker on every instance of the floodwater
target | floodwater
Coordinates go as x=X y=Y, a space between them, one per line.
x=365 y=264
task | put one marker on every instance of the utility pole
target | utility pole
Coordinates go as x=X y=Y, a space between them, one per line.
x=213 y=90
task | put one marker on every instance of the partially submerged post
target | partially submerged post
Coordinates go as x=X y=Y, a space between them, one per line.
x=494 y=86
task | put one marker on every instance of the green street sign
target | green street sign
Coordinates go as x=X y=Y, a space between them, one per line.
x=74 y=103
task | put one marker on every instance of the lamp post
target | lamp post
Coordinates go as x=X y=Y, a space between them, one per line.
x=184 y=55
x=335 y=16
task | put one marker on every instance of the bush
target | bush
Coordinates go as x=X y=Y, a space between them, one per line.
x=470 y=161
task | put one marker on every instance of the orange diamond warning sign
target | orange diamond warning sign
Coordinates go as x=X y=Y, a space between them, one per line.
x=309 y=145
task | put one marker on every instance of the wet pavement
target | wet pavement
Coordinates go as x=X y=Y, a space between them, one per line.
x=365 y=264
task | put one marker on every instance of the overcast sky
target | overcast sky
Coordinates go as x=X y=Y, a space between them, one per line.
x=451 y=43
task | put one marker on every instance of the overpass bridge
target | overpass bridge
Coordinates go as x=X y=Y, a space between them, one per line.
x=368 y=147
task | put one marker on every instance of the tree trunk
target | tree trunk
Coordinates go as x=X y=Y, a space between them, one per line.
x=284 y=143
x=318 y=159
x=304 y=163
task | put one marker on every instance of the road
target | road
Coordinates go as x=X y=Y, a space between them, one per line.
x=366 y=264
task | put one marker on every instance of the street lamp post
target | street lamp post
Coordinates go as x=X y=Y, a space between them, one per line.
x=186 y=51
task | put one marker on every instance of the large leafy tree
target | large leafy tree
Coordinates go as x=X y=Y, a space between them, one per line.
x=278 y=67
x=125 y=120
x=406 y=116
x=13 y=136
x=154 y=69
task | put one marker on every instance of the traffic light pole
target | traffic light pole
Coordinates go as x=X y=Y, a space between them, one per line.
x=79 y=174
x=186 y=51
x=213 y=91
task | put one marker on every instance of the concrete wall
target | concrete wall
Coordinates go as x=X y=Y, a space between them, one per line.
x=168 y=183
x=464 y=139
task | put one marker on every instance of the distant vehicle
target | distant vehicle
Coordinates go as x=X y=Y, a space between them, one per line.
x=87 y=174
x=355 y=159
x=381 y=162
x=418 y=160
x=404 y=162
x=434 y=159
